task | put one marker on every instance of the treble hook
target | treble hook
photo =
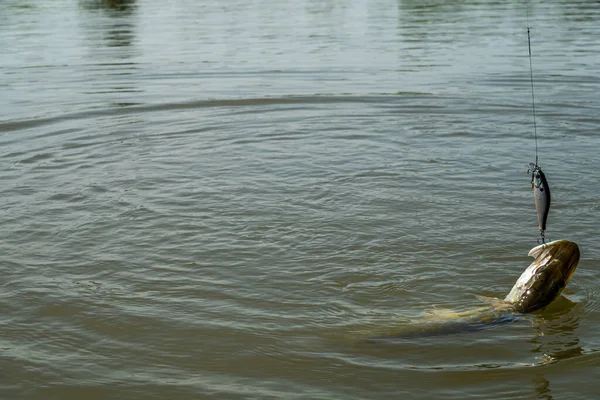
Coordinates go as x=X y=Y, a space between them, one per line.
x=542 y=238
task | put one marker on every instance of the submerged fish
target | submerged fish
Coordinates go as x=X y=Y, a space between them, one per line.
x=538 y=286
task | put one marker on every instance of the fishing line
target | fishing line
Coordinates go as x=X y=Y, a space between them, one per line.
x=541 y=190
x=531 y=79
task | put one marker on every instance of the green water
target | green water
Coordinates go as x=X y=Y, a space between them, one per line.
x=216 y=200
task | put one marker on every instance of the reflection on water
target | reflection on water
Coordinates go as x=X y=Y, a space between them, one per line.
x=119 y=29
x=556 y=337
x=555 y=340
x=119 y=35
x=111 y=36
x=541 y=387
x=120 y=6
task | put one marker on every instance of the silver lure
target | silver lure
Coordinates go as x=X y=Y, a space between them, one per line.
x=541 y=196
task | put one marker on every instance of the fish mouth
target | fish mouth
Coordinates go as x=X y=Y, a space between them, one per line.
x=546 y=277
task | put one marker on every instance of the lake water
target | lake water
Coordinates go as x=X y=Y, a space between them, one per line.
x=218 y=200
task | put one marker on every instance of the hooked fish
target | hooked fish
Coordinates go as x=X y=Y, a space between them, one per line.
x=541 y=196
x=537 y=287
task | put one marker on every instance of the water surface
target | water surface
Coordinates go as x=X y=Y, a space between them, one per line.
x=219 y=200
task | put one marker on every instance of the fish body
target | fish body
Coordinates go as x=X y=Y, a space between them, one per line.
x=541 y=283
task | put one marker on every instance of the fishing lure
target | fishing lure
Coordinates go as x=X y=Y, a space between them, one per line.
x=541 y=196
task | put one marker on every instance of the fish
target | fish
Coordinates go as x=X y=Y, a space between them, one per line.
x=541 y=197
x=539 y=285
x=546 y=277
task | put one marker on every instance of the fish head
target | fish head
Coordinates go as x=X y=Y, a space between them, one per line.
x=546 y=277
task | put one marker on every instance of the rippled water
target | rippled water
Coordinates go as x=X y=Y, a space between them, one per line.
x=219 y=199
